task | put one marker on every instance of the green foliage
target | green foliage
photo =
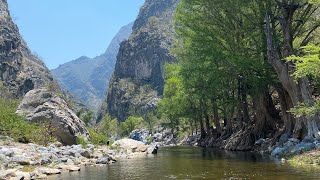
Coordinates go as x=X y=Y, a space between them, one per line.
x=151 y=120
x=108 y=126
x=47 y=134
x=97 y=138
x=88 y=117
x=308 y=64
x=308 y=111
x=81 y=140
x=130 y=124
x=15 y=127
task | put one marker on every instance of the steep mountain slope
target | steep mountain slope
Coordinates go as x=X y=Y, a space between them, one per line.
x=138 y=79
x=86 y=78
x=24 y=75
x=20 y=70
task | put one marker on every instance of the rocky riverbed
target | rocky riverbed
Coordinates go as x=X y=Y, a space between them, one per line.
x=30 y=161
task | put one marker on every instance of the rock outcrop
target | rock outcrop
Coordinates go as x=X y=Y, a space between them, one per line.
x=138 y=81
x=88 y=78
x=41 y=106
x=20 y=70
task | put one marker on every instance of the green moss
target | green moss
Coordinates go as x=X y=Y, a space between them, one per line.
x=28 y=168
x=308 y=158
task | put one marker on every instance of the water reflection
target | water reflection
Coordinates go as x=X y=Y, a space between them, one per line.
x=195 y=163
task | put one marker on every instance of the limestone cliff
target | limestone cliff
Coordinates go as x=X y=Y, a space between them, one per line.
x=138 y=80
x=20 y=70
x=25 y=75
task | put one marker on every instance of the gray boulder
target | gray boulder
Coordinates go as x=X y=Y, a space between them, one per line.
x=7 y=152
x=278 y=152
x=283 y=138
x=308 y=139
x=294 y=140
x=3 y=160
x=85 y=153
x=303 y=147
x=104 y=159
x=139 y=135
x=22 y=160
x=42 y=106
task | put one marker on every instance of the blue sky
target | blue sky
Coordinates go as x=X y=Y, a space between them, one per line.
x=63 y=30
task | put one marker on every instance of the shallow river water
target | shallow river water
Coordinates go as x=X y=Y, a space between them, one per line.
x=195 y=163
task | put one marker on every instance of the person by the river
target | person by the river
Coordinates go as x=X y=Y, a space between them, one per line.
x=155 y=150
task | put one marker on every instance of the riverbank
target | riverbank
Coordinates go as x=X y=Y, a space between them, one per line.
x=31 y=161
x=306 y=159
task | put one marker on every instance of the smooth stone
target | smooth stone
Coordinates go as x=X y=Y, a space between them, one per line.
x=294 y=140
x=303 y=147
x=20 y=159
x=48 y=171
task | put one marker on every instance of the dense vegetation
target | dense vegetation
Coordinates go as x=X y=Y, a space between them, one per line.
x=246 y=70
x=17 y=128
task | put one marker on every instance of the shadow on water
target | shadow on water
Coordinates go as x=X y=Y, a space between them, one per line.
x=195 y=163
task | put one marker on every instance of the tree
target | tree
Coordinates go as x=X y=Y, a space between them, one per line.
x=286 y=40
x=108 y=126
x=130 y=124
x=88 y=117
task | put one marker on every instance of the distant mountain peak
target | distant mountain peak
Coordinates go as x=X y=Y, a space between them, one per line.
x=88 y=78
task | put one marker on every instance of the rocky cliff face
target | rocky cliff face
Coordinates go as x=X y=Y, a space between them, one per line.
x=88 y=79
x=138 y=79
x=20 y=70
x=22 y=74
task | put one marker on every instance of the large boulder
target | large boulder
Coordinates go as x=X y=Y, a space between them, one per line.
x=139 y=135
x=130 y=144
x=42 y=106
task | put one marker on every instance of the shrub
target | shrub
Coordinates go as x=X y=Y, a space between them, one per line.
x=81 y=140
x=96 y=137
x=14 y=126
x=108 y=126
x=130 y=124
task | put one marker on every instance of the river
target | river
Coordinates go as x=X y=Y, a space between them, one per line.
x=195 y=163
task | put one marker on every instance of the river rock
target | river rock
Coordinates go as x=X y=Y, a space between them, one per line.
x=20 y=159
x=3 y=160
x=64 y=167
x=40 y=105
x=48 y=171
x=303 y=147
x=85 y=153
x=157 y=137
x=139 y=135
x=24 y=175
x=7 y=152
x=294 y=140
x=104 y=159
x=46 y=159
x=278 y=152
x=308 y=139
x=8 y=174
x=130 y=144
x=283 y=138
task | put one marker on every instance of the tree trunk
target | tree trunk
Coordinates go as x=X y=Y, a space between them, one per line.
x=299 y=92
x=264 y=121
x=202 y=131
x=286 y=105
x=216 y=119
x=207 y=116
